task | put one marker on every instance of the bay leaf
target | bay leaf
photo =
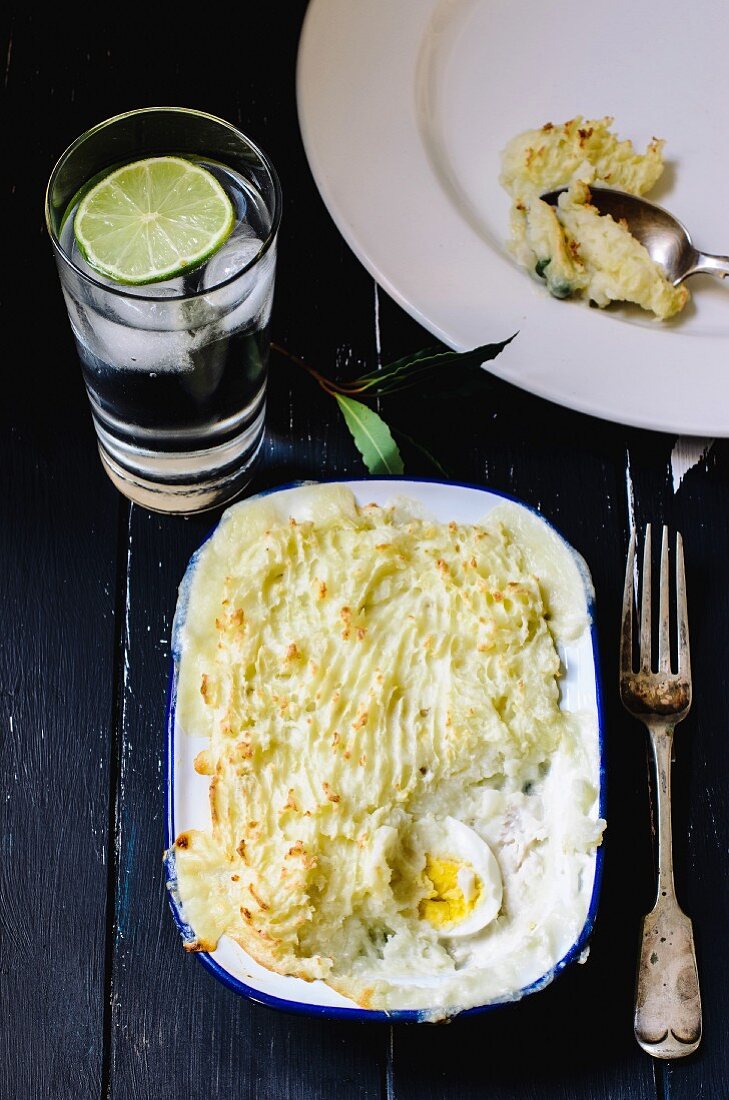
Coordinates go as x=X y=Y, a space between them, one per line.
x=372 y=437
x=409 y=371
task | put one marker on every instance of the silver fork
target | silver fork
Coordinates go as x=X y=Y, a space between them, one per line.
x=667 y=1021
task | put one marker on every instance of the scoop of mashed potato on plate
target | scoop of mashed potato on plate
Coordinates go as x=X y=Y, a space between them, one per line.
x=573 y=248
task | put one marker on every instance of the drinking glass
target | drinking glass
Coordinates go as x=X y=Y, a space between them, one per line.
x=175 y=371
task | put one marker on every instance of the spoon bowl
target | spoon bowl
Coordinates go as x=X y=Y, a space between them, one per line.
x=664 y=237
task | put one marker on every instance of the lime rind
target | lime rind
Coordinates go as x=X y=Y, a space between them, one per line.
x=152 y=220
x=82 y=191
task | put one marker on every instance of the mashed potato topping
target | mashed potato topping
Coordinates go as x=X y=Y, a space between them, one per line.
x=398 y=804
x=573 y=248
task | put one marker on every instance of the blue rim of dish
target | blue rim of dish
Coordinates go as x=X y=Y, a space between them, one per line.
x=342 y=1012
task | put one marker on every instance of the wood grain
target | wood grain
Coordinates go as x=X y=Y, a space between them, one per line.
x=58 y=533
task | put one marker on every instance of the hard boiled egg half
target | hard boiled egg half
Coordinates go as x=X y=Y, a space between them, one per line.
x=462 y=878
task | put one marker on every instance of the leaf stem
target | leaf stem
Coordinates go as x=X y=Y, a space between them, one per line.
x=328 y=386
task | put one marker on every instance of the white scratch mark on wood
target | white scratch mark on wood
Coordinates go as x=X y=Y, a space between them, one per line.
x=687 y=452
x=127 y=612
x=707 y=796
x=630 y=495
x=390 y=1074
x=378 y=337
x=7 y=60
x=343 y=356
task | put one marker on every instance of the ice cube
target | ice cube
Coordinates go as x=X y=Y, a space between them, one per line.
x=142 y=309
x=240 y=248
x=207 y=366
x=250 y=307
x=168 y=288
x=131 y=305
x=124 y=347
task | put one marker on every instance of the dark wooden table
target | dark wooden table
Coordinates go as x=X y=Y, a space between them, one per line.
x=97 y=996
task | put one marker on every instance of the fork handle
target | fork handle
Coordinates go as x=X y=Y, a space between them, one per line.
x=667 y=1020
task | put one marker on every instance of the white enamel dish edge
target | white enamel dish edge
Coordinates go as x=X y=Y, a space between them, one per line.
x=404 y=107
x=186 y=792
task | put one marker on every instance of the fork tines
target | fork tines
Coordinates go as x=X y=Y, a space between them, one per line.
x=644 y=627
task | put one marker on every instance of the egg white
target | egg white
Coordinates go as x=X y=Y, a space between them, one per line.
x=454 y=840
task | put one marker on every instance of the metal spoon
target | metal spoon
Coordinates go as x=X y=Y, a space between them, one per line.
x=665 y=238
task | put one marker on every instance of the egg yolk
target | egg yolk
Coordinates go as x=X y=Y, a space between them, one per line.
x=446 y=903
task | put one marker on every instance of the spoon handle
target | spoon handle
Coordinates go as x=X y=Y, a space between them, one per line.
x=710 y=265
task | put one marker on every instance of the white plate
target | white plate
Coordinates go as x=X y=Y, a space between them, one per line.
x=404 y=107
x=187 y=792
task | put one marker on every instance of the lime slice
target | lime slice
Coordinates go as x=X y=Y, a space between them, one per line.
x=152 y=219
